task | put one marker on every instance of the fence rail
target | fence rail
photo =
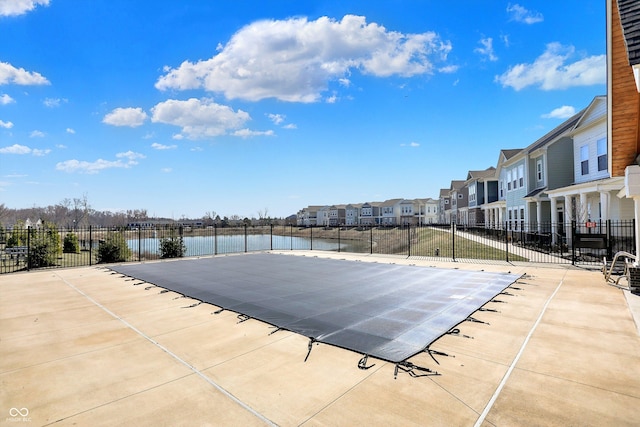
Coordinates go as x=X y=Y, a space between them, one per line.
x=571 y=243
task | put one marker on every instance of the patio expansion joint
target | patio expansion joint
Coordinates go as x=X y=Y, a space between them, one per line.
x=493 y=399
x=174 y=356
x=120 y=399
x=557 y=377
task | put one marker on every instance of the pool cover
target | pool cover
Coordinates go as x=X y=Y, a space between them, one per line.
x=387 y=311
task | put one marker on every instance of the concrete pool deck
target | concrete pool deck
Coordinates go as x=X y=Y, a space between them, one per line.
x=83 y=346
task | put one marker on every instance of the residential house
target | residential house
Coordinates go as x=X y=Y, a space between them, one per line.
x=337 y=215
x=352 y=214
x=444 y=208
x=426 y=211
x=592 y=194
x=549 y=165
x=388 y=210
x=369 y=213
x=495 y=211
x=458 y=194
x=482 y=188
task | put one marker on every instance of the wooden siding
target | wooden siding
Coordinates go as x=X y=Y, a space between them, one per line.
x=625 y=102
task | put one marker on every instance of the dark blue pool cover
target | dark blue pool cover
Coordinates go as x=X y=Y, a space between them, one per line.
x=387 y=311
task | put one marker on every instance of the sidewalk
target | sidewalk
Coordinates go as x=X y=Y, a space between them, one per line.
x=85 y=347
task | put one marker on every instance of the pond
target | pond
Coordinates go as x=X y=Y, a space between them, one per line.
x=225 y=244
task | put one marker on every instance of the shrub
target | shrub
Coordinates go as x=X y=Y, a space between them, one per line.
x=71 y=244
x=172 y=246
x=44 y=247
x=113 y=249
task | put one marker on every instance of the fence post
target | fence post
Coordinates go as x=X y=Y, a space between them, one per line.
x=338 y=238
x=311 y=238
x=90 y=246
x=28 y=248
x=371 y=239
x=139 y=243
x=245 y=237
x=573 y=242
x=409 y=240
x=215 y=239
x=271 y=235
x=453 y=241
x=506 y=242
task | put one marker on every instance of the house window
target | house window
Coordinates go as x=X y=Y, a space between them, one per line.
x=460 y=196
x=514 y=176
x=521 y=176
x=509 y=181
x=539 y=170
x=602 y=154
x=584 y=159
x=501 y=189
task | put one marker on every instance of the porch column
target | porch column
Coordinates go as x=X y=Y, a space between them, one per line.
x=604 y=205
x=554 y=220
x=584 y=209
x=568 y=216
x=539 y=215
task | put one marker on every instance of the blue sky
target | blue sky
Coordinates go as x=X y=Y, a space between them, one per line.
x=240 y=107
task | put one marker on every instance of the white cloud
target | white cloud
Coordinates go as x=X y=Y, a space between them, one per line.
x=54 y=102
x=411 y=144
x=449 y=69
x=125 y=161
x=19 y=7
x=247 y=133
x=520 y=14
x=487 y=49
x=39 y=153
x=132 y=117
x=71 y=131
x=199 y=118
x=276 y=118
x=290 y=126
x=23 y=149
x=36 y=134
x=20 y=76
x=6 y=99
x=157 y=146
x=551 y=71
x=6 y=125
x=295 y=59
x=166 y=170
x=563 y=112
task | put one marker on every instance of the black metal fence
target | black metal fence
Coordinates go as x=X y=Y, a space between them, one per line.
x=51 y=247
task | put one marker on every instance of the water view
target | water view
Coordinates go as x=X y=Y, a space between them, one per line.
x=209 y=245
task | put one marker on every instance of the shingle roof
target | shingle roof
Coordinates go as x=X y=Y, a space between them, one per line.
x=630 y=19
x=556 y=132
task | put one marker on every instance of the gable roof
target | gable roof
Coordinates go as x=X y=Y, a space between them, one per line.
x=629 y=11
x=556 y=132
x=487 y=173
x=457 y=184
x=589 y=109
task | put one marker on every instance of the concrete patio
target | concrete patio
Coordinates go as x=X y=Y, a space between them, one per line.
x=83 y=346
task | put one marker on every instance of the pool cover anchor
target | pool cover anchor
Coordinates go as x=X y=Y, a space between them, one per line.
x=474 y=320
x=437 y=353
x=243 y=318
x=193 y=305
x=411 y=369
x=456 y=332
x=311 y=341
x=362 y=363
